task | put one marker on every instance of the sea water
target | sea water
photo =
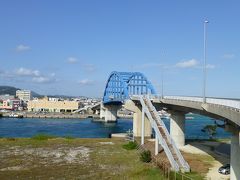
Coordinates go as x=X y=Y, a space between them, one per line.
x=87 y=128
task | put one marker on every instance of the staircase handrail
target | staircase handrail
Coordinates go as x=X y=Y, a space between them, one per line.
x=161 y=139
x=170 y=140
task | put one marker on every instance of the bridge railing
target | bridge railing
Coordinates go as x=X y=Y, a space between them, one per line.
x=229 y=103
x=224 y=102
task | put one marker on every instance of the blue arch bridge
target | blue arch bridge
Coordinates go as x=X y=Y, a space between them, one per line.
x=121 y=85
x=134 y=92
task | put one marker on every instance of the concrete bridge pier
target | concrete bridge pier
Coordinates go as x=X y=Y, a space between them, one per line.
x=177 y=128
x=235 y=156
x=109 y=112
x=138 y=130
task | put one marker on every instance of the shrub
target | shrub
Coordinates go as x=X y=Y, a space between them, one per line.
x=69 y=137
x=211 y=130
x=10 y=139
x=43 y=137
x=145 y=156
x=130 y=145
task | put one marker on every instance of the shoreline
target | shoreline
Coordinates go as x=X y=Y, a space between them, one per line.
x=61 y=116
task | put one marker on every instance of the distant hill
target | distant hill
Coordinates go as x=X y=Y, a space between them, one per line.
x=8 y=90
x=12 y=91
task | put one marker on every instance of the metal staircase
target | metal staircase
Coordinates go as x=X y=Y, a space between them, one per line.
x=164 y=139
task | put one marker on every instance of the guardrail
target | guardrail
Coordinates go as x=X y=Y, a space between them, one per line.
x=233 y=104
x=220 y=102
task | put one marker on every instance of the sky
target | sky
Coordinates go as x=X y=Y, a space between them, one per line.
x=70 y=47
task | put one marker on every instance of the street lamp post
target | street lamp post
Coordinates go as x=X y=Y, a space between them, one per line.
x=205 y=63
x=162 y=82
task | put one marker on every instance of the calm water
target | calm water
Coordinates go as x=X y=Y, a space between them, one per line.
x=28 y=127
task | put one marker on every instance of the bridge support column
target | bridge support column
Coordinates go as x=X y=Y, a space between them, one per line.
x=109 y=112
x=156 y=145
x=137 y=120
x=235 y=157
x=177 y=128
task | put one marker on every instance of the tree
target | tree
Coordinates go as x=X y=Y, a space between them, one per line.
x=211 y=130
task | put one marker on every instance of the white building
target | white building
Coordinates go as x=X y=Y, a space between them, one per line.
x=24 y=95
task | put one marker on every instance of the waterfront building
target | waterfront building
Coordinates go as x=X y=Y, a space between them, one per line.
x=24 y=95
x=52 y=105
x=10 y=104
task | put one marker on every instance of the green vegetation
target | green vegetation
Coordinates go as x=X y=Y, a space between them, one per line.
x=186 y=176
x=69 y=137
x=194 y=175
x=72 y=159
x=12 y=91
x=211 y=130
x=145 y=156
x=42 y=137
x=8 y=90
x=221 y=140
x=149 y=173
x=130 y=145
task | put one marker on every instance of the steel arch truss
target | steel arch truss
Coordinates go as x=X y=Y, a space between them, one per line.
x=121 y=85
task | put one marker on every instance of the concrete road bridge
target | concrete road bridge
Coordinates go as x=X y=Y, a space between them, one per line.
x=133 y=91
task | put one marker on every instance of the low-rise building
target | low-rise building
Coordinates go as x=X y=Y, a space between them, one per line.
x=10 y=104
x=44 y=105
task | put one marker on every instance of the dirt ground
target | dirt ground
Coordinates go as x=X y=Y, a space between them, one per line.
x=213 y=160
x=61 y=158
x=71 y=159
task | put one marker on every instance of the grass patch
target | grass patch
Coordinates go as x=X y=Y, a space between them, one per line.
x=41 y=137
x=148 y=173
x=195 y=175
x=130 y=145
x=69 y=137
x=145 y=156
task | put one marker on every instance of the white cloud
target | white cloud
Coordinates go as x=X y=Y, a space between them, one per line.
x=85 y=82
x=27 y=72
x=72 y=60
x=43 y=79
x=28 y=75
x=229 y=56
x=21 y=48
x=210 y=66
x=187 y=64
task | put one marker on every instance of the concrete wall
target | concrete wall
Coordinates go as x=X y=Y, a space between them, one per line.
x=235 y=157
x=177 y=128
x=137 y=119
x=109 y=112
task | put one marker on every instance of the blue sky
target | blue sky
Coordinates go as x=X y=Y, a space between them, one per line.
x=70 y=47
